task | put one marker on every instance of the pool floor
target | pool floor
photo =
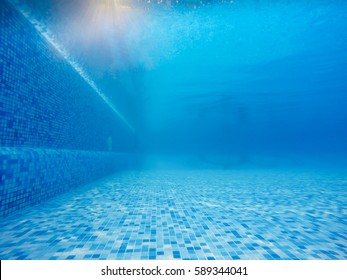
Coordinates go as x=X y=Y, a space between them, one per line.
x=196 y=214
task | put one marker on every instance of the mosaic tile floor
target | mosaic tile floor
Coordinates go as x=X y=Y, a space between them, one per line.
x=187 y=215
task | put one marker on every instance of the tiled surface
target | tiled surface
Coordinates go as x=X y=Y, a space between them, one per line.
x=47 y=113
x=29 y=176
x=187 y=215
x=43 y=101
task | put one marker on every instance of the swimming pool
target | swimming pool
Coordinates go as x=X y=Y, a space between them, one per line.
x=173 y=130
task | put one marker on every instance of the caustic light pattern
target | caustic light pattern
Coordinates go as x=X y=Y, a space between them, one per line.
x=187 y=215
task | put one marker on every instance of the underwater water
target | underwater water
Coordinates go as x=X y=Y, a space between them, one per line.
x=173 y=129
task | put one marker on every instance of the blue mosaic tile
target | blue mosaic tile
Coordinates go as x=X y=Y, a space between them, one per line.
x=54 y=129
x=43 y=101
x=30 y=176
x=189 y=215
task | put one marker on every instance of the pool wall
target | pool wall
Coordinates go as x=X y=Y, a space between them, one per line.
x=56 y=131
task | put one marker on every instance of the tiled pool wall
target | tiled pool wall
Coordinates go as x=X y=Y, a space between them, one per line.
x=30 y=176
x=55 y=131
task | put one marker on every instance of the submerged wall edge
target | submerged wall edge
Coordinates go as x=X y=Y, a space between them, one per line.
x=30 y=176
x=56 y=132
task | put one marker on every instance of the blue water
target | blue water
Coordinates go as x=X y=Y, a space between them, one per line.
x=234 y=110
